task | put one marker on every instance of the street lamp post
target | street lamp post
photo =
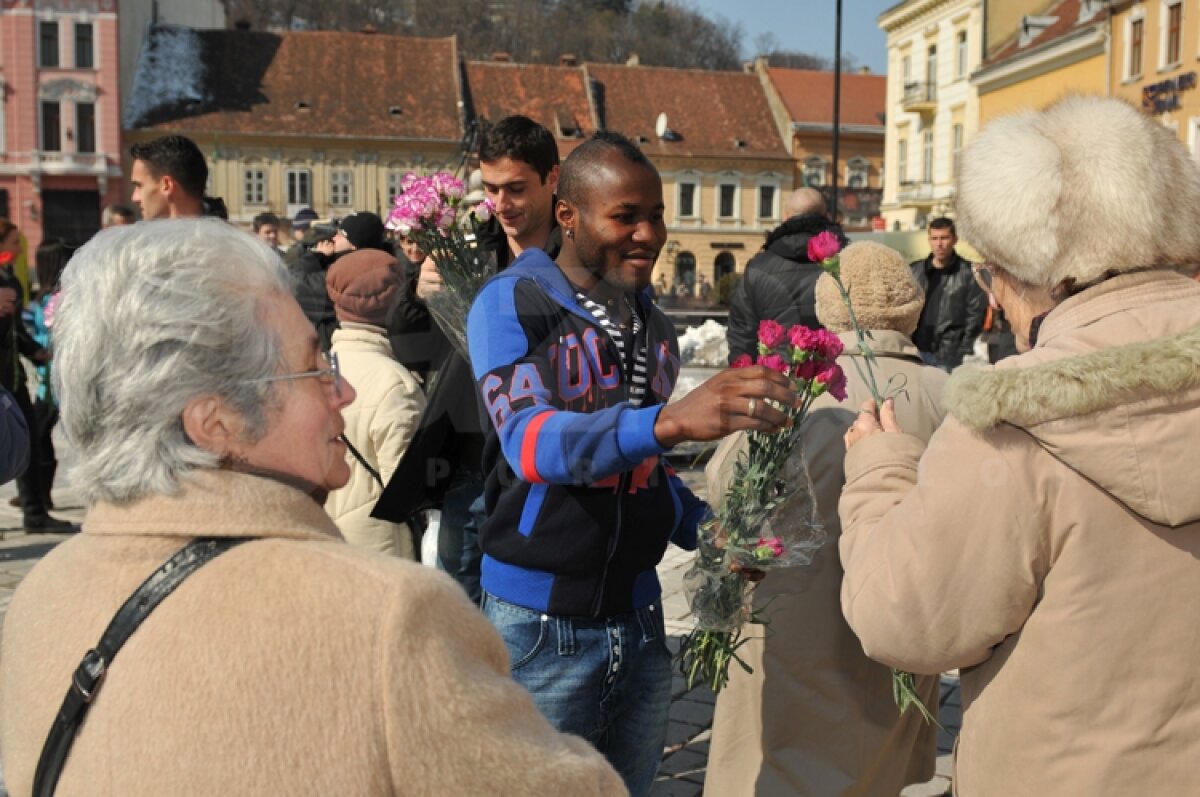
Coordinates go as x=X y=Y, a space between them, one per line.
x=837 y=102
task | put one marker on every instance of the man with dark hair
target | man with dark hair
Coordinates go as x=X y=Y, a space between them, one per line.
x=518 y=162
x=266 y=228
x=116 y=215
x=168 y=178
x=576 y=366
x=780 y=282
x=954 y=305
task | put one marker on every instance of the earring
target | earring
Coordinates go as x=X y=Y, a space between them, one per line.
x=571 y=234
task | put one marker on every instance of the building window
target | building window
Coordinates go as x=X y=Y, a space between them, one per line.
x=299 y=189
x=393 y=185
x=931 y=71
x=341 y=187
x=51 y=127
x=766 y=201
x=814 y=171
x=48 y=40
x=906 y=68
x=1136 y=39
x=858 y=172
x=1173 y=32
x=727 y=200
x=255 y=186
x=85 y=127
x=687 y=200
x=927 y=163
x=902 y=161
x=958 y=145
x=960 y=54
x=83 y=45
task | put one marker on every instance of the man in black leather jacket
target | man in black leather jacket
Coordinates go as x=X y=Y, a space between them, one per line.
x=779 y=282
x=954 y=305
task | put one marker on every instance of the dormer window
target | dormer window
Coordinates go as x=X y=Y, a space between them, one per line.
x=1032 y=27
x=303 y=105
x=395 y=110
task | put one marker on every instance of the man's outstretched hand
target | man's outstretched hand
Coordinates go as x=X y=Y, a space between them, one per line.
x=731 y=401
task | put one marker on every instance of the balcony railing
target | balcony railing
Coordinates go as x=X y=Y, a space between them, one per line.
x=43 y=162
x=915 y=191
x=919 y=96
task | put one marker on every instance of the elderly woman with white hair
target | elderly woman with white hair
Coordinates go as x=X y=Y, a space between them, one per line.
x=1047 y=541
x=194 y=391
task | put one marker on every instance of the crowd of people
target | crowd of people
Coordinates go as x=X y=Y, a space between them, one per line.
x=243 y=410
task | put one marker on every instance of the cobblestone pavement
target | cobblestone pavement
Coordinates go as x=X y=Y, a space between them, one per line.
x=685 y=756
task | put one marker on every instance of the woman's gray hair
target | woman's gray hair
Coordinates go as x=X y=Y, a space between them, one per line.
x=151 y=316
x=1087 y=188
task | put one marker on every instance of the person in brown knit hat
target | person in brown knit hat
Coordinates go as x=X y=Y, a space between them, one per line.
x=816 y=716
x=380 y=423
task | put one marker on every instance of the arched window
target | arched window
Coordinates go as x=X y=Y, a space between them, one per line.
x=685 y=273
x=725 y=263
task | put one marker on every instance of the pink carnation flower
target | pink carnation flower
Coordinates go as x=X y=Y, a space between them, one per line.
x=768 y=548
x=808 y=369
x=484 y=210
x=742 y=361
x=832 y=379
x=802 y=337
x=829 y=345
x=775 y=362
x=823 y=246
x=771 y=333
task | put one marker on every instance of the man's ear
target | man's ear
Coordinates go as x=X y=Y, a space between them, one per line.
x=565 y=213
x=212 y=425
x=552 y=178
x=167 y=185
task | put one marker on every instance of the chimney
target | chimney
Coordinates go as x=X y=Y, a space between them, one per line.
x=501 y=57
x=369 y=28
x=568 y=59
x=633 y=60
x=866 y=70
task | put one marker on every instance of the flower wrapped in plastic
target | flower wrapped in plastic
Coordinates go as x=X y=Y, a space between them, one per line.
x=430 y=210
x=749 y=532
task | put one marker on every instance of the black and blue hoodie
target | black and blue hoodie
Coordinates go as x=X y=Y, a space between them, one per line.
x=580 y=502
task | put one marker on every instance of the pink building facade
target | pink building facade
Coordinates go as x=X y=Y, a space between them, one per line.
x=60 y=121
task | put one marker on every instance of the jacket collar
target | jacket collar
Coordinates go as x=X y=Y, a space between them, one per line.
x=218 y=503
x=536 y=265
x=883 y=343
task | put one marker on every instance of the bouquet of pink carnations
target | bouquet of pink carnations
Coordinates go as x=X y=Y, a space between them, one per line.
x=430 y=210
x=747 y=533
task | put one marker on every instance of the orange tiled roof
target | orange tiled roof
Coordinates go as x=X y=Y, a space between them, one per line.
x=553 y=96
x=354 y=84
x=808 y=96
x=709 y=110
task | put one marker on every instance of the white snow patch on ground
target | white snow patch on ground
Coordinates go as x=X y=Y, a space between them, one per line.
x=704 y=345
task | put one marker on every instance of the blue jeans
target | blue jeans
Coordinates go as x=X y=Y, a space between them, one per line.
x=458 y=538
x=607 y=680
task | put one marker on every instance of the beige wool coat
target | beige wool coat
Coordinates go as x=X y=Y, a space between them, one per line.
x=380 y=423
x=1047 y=542
x=817 y=716
x=294 y=664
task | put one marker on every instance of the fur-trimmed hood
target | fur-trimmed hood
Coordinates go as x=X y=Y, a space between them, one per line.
x=1127 y=417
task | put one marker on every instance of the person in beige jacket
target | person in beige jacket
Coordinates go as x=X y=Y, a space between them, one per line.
x=293 y=664
x=817 y=717
x=381 y=422
x=1047 y=539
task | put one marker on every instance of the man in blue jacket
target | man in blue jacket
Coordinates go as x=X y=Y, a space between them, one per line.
x=575 y=366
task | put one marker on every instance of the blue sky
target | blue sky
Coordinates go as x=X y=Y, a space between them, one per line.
x=808 y=25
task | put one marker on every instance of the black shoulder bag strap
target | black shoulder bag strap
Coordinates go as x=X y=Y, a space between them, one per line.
x=88 y=676
x=361 y=459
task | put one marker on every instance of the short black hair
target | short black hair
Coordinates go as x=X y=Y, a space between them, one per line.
x=263 y=219
x=177 y=157
x=521 y=139
x=943 y=223
x=584 y=160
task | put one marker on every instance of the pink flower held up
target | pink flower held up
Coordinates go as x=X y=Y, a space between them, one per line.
x=823 y=246
x=771 y=333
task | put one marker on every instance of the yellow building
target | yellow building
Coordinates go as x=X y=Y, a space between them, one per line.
x=932 y=105
x=1039 y=51
x=1155 y=59
x=279 y=124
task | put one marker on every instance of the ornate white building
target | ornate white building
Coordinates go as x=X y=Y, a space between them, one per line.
x=932 y=107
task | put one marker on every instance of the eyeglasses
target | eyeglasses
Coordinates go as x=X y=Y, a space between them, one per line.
x=983 y=276
x=327 y=376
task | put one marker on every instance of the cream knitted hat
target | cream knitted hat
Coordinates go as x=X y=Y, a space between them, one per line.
x=881 y=287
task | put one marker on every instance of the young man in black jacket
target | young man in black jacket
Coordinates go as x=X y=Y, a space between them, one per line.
x=575 y=365
x=518 y=159
x=954 y=305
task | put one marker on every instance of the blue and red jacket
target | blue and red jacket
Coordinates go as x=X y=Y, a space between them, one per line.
x=580 y=502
